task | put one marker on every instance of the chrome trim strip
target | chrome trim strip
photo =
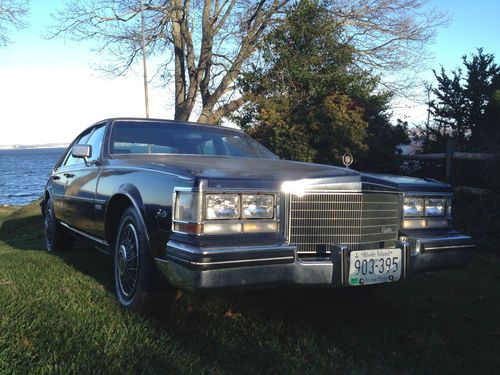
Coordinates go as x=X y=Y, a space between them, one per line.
x=84 y=234
x=437 y=239
x=348 y=191
x=98 y=201
x=427 y=193
x=215 y=251
x=240 y=261
x=180 y=177
x=448 y=247
x=102 y=250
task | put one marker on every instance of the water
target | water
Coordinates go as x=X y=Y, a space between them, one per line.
x=24 y=173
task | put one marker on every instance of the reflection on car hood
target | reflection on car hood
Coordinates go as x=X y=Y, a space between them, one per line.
x=204 y=166
x=223 y=171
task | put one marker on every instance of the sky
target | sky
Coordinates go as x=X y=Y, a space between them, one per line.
x=50 y=91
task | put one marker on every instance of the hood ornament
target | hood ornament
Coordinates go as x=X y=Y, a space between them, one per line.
x=347 y=159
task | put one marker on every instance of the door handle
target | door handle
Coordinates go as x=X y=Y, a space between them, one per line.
x=69 y=175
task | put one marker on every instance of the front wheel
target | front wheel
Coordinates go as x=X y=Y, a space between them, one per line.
x=133 y=266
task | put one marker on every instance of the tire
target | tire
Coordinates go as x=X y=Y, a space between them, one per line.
x=134 y=268
x=56 y=237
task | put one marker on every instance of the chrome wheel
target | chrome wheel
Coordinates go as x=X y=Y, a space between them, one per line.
x=127 y=261
x=49 y=229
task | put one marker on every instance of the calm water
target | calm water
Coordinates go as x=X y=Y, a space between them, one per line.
x=24 y=172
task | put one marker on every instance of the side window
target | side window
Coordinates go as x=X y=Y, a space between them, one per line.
x=70 y=160
x=95 y=141
x=207 y=148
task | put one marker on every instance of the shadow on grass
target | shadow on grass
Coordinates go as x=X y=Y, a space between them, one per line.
x=416 y=325
x=24 y=230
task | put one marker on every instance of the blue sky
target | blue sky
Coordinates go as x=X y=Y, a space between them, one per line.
x=49 y=90
x=474 y=24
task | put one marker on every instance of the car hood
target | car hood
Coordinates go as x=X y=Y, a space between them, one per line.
x=221 y=171
x=411 y=184
x=233 y=172
x=221 y=167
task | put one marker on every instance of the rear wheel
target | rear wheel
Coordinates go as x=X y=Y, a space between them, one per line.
x=133 y=266
x=57 y=238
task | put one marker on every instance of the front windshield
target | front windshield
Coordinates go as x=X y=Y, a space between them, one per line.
x=151 y=137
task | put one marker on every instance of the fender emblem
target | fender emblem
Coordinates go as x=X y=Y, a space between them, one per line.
x=161 y=214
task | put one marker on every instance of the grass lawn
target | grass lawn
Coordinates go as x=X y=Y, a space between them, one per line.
x=58 y=315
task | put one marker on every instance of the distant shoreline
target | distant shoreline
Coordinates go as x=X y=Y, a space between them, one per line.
x=28 y=147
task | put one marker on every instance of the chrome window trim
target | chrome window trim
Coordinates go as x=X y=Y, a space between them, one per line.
x=171 y=122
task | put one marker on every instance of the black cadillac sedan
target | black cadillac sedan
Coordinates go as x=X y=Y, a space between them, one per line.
x=202 y=207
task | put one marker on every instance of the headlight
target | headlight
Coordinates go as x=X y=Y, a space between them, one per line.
x=426 y=212
x=413 y=206
x=224 y=213
x=222 y=206
x=257 y=206
x=435 y=207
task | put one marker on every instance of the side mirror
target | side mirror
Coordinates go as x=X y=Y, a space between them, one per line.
x=82 y=151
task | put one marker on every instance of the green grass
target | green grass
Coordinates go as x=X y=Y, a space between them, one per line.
x=58 y=315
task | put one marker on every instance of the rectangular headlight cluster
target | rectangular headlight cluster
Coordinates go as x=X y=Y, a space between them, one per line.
x=239 y=206
x=426 y=212
x=225 y=213
x=418 y=206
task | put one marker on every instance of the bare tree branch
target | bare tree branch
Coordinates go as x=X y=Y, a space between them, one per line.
x=12 y=16
x=205 y=45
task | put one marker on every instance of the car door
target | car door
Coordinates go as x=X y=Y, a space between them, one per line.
x=62 y=174
x=79 y=195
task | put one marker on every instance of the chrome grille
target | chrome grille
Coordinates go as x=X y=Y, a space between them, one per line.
x=358 y=220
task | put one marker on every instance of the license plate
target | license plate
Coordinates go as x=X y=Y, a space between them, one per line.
x=374 y=266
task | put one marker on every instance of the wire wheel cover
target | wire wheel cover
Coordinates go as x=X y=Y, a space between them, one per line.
x=127 y=260
x=49 y=229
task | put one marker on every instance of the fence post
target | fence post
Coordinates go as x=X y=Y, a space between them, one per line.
x=450 y=149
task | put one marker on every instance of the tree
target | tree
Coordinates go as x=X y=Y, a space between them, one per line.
x=206 y=45
x=207 y=42
x=311 y=102
x=465 y=107
x=12 y=14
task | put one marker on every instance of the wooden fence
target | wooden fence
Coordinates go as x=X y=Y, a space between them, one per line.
x=449 y=156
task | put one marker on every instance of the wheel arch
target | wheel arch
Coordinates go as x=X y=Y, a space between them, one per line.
x=117 y=204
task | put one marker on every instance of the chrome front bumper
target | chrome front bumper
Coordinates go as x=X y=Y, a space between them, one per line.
x=438 y=250
x=204 y=269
